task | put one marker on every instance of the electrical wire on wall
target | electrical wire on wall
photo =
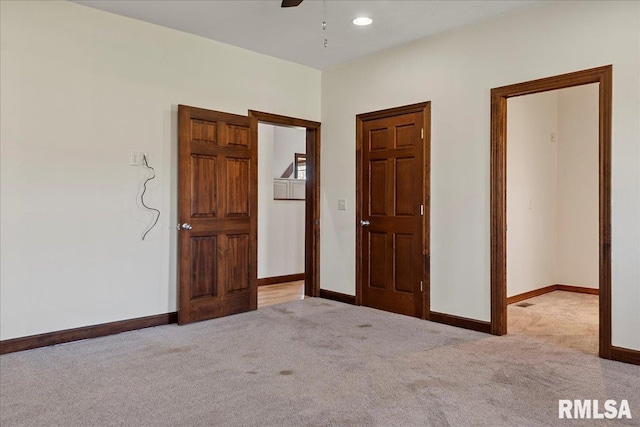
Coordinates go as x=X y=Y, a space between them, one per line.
x=146 y=165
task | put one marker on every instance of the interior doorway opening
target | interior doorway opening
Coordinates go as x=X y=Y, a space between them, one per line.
x=288 y=208
x=281 y=195
x=602 y=76
x=552 y=217
x=218 y=211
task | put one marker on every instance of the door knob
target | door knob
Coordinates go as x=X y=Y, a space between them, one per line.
x=185 y=226
x=364 y=223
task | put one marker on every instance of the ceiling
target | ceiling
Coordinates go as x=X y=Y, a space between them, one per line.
x=295 y=34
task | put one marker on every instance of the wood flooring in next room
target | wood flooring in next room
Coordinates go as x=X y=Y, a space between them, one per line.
x=279 y=293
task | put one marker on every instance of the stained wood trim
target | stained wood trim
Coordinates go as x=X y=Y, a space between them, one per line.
x=337 y=296
x=460 y=322
x=547 y=289
x=425 y=109
x=625 y=355
x=576 y=78
x=359 y=206
x=312 y=195
x=498 y=214
x=312 y=214
x=280 y=279
x=603 y=76
x=530 y=294
x=426 y=220
x=396 y=111
x=605 y=118
x=276 y=119
x=85 y=332
x=578 y=289
x=253 y=208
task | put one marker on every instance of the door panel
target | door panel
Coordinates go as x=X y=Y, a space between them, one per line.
x=237 y=187
x=378 y=260
x=405 y=135
x=237 y=135
x=377 y=185
x=204 y=266
x=405 y=193
x=378 y=139
x=237 y=263
x=393 y=185
x=204 y=188
x=403 y=262
x=203 y=131
x=217 y=197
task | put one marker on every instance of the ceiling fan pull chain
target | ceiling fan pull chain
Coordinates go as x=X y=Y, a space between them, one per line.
x=324 y=22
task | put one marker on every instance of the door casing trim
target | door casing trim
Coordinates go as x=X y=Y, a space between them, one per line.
x=425 y=109
x=603 y=76
x=312 y=196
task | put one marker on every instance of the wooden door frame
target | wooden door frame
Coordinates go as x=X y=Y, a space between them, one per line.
x=312 y=196
x=603 y=76
x=425 y=109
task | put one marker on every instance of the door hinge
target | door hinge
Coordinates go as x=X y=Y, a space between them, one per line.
x=421 y=210
x=421 y=286
x=422 y=133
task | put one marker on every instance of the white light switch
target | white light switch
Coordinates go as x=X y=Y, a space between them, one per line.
x=342 y=204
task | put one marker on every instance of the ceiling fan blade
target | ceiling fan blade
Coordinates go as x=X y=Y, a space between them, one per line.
x=290 y=3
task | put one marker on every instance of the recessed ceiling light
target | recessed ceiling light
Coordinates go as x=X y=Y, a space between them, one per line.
x=362 y=20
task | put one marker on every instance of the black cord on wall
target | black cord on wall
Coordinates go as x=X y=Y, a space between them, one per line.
x=146 y=164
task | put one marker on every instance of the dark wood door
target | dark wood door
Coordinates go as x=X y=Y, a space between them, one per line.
x=217 y=211
x=392 y=213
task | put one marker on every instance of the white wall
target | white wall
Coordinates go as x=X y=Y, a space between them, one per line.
x=280 y=222
x=532 y=192
x=456 y=71
x=287 y=142
x=578 y=218
x=80 y=89
x=552 y=190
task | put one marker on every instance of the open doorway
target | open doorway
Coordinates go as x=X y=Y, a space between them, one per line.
x=218 y=211
x=281 y=195
x=552 y=217
x=601 y=76
x=288 y=209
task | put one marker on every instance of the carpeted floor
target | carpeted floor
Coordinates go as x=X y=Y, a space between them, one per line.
x=568 y=319
x=312 y=362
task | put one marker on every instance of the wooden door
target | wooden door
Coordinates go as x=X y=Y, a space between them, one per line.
x=392 y=212
x=217 y=211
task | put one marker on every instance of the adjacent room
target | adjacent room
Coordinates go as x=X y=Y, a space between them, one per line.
x=281 y=213
x=552 y=216
x=359 y=152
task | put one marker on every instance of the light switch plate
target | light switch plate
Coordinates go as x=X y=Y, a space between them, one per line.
x=342 y=204
x=136 y=158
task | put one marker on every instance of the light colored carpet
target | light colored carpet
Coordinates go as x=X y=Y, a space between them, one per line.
x=312 y=362
x=568 y=319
